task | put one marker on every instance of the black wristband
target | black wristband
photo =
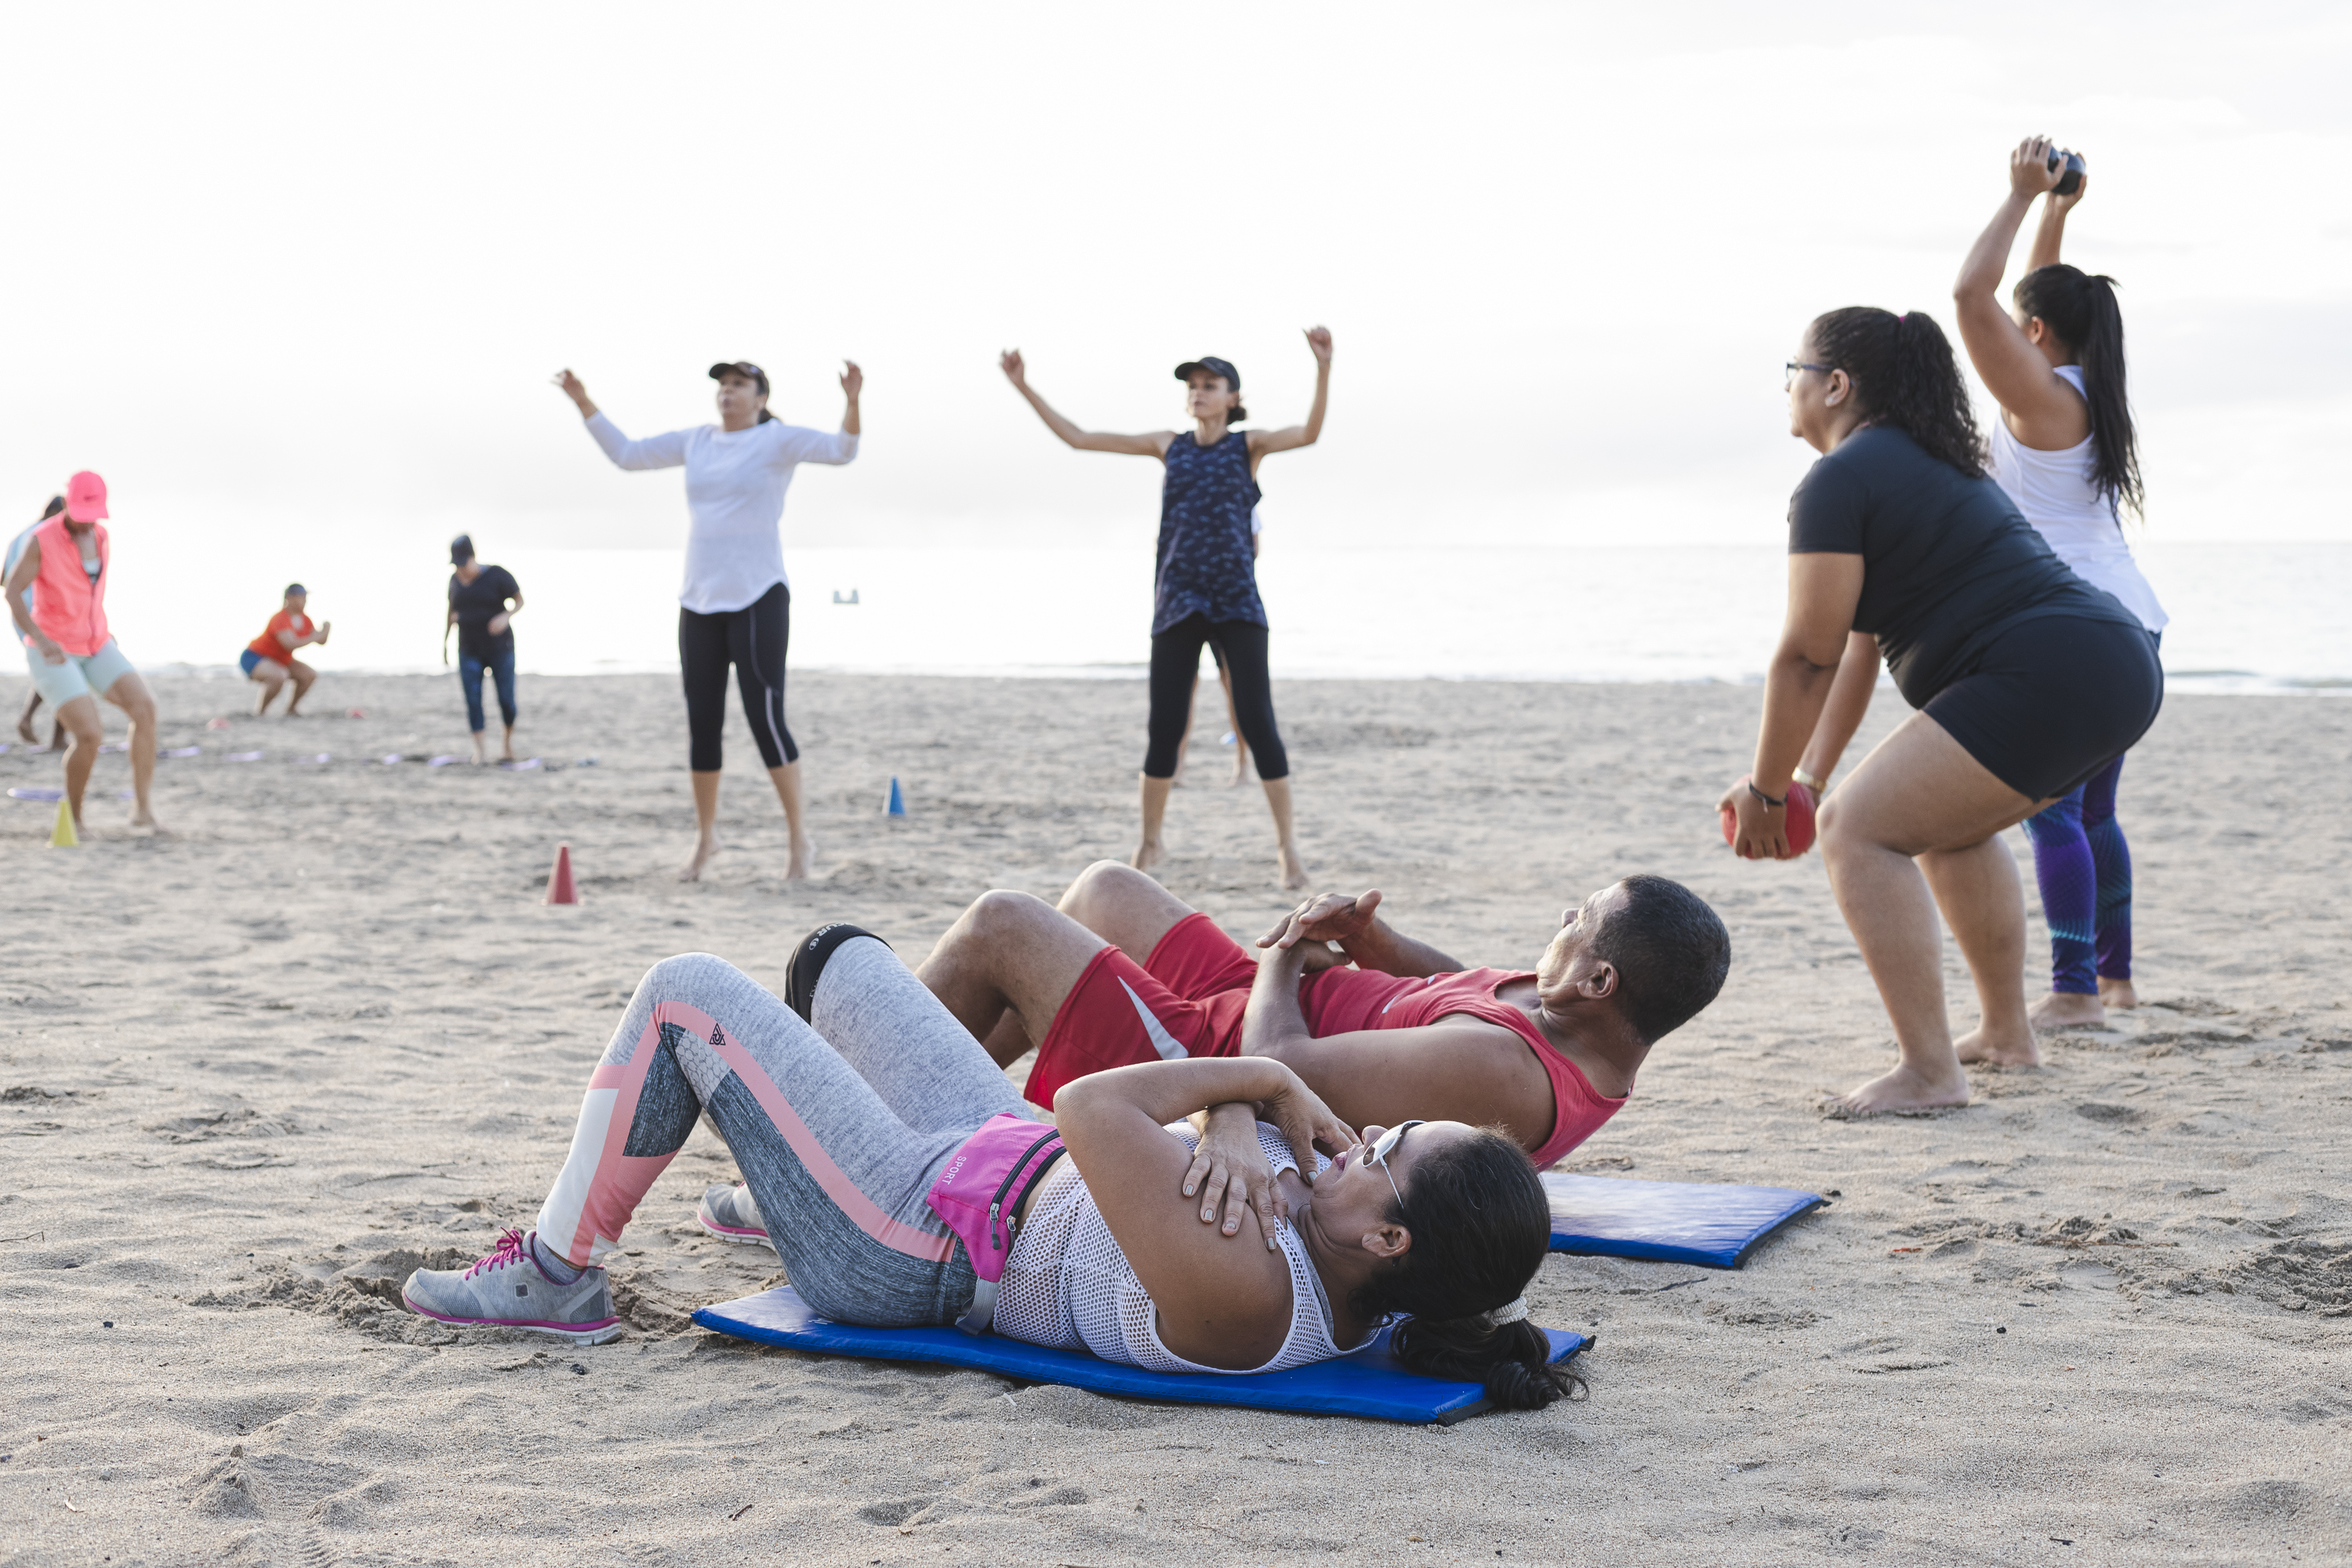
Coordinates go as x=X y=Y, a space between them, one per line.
x=1780 y=803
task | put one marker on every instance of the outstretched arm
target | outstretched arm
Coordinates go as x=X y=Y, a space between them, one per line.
x=2050 y=236
x=1367 y=939
x=1220 y=1306
x=1151 y=444
x=664 y=451
x=1318 y=342
x=2043 y=411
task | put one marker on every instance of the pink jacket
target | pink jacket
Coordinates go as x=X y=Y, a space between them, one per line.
x=67 y=605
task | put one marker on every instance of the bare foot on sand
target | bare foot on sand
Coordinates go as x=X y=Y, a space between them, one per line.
x=1899 y=1091
x=1997 y=1050
x=144 y=820
x=2118 y=993
x=803 y=861
x=1147 y=854
x=704 y=848
x=1240 y=771
x=2067 y=1010
x=1293 y=870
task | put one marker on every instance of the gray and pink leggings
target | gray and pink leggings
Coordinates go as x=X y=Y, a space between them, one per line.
x=840 y=1124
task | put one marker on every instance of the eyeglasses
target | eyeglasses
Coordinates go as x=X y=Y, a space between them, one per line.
x=1789 y=377
x=1378 y=1154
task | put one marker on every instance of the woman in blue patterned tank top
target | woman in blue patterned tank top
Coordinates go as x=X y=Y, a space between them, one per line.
x=1204 y=590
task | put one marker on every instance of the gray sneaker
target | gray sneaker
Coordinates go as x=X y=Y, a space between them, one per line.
x=508 y=1289
x=732 y=1214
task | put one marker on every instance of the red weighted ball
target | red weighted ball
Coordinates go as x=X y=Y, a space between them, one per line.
x=1800 y=818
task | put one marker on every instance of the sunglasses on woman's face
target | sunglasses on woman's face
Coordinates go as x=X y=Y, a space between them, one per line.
x=1385 y=1146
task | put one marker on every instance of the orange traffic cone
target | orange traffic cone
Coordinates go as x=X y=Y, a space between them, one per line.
x=559 y=890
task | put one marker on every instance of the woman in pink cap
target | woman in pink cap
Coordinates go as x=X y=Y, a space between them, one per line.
x=72 y=657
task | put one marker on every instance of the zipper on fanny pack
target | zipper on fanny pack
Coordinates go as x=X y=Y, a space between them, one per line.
x=996 y=1204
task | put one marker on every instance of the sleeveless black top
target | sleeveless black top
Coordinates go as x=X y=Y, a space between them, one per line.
x=1206 y=566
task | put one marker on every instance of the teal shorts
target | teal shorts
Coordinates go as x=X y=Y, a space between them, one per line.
x=85 y=675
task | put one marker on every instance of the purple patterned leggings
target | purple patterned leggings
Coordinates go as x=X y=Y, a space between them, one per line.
x=2083 y=868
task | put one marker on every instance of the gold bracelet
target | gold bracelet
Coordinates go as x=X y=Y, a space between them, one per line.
x=1808 y=779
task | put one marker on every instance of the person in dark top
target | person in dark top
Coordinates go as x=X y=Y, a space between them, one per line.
x=2027 y=679
x=483 y=601
x=1205 y=586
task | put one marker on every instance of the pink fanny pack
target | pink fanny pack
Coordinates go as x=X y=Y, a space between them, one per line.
x=980 y=1193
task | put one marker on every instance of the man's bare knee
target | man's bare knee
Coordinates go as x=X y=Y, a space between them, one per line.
x=1123 y=906
x=988 y=926
x=1103 y=890
x=1005 y=909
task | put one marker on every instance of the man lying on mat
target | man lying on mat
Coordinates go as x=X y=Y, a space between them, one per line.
x=886 y=1148
x=1547 y=1054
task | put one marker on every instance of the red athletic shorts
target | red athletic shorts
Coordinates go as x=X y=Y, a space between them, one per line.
x=1186 y=1001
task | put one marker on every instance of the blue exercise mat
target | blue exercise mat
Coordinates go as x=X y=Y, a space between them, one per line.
x=1707 y=1222
x=1369 y=1382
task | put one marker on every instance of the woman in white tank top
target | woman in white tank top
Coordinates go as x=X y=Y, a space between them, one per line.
x=857 y=1103
x=2064 y=450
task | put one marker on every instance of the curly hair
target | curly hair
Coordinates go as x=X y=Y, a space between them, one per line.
x=1903 y=372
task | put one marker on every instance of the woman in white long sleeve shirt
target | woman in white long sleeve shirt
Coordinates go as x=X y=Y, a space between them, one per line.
x=736 y=605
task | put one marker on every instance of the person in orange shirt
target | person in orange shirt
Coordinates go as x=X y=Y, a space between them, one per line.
x=269 y=657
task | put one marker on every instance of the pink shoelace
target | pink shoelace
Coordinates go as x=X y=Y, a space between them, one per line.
x=510 y=1251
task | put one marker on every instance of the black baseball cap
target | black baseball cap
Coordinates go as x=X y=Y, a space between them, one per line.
x=1214 y=366
x=741 y=367
x=461 y=550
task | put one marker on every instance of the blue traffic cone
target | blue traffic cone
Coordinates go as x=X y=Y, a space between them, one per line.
x=896 y=804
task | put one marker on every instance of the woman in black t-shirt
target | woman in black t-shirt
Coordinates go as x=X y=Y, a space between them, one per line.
x=482 y=605
x=2027 y=679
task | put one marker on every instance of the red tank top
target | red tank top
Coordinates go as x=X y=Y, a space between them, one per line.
x=68 y=603
x=1340 y=1001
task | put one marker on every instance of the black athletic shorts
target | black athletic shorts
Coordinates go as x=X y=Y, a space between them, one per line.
x=2052 y=701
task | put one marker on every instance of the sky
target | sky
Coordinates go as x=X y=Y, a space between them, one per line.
x=294 y=277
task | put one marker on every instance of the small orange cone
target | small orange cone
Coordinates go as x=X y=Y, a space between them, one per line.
x=559 y=890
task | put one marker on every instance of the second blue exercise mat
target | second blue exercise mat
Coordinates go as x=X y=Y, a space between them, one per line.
x=1369 y=1382
x=1707 y=1222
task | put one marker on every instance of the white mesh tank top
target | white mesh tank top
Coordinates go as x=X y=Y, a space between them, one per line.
x=1067 y=1284
x=2059 y=496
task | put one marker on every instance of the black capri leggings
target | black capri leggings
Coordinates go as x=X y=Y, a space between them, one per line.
x=753 y=639
x=1176 y=661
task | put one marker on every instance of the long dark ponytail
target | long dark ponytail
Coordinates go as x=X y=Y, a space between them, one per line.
x=2080 y=308
x=1903 y=370
x=1481 y=1226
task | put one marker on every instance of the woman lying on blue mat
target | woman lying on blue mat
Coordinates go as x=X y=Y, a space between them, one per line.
x=905 y=1184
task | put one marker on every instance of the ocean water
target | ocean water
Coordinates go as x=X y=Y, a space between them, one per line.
x=2253 y=617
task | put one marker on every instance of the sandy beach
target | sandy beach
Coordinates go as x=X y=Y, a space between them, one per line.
x=253 y=1072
